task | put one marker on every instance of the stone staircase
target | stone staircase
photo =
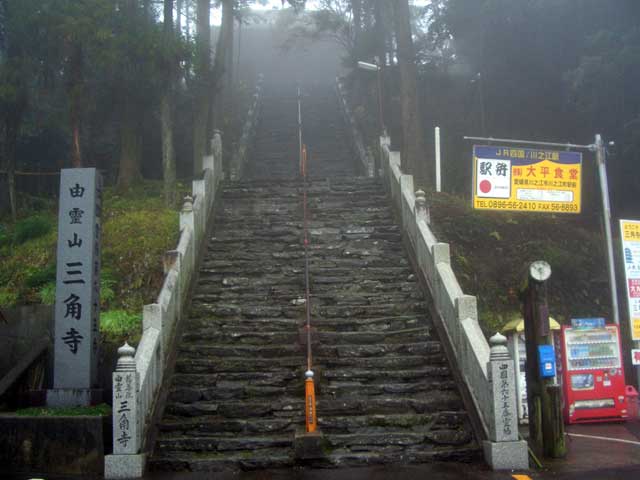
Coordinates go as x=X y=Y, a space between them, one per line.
x=384 y=388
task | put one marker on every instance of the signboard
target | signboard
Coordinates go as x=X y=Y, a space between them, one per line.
x=635 y=357
x=77 y=310
x=630 y=236
x=524 y=179
x=590 y=323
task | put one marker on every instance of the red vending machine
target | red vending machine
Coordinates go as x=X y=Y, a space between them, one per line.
x=593 y=375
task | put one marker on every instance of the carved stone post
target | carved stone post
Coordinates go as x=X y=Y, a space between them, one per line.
x=126 y=461
x=503 y=450
x=422 y=209
x=216 y=149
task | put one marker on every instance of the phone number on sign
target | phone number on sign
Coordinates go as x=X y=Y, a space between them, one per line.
x=530 y=206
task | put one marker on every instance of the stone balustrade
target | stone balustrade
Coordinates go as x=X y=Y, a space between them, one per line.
x=487 y=372
x=139 y=373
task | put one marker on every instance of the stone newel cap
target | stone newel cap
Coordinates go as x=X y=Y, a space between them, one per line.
x=126 y=362
x=499 y=350
x=188 y=204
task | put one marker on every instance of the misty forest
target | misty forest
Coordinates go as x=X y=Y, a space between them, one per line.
x=136 y=88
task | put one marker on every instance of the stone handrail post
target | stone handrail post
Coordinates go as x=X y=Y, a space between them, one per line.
x=127 y=435
x=503 y=449
x=422 y=209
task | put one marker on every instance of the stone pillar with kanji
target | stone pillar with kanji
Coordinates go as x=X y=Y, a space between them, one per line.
x=77 y=310
x=503 y=450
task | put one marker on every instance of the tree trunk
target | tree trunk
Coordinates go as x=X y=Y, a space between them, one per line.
x=356 y=8
x=202 y=84
x=12 y=127
x=130 y=146
x=223 y=70
x=413 y=145
x=166 y=112
x=381 y=52
x=179 y=17
x=168 y=153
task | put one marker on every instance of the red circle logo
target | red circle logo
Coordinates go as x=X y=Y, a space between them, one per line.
x=485 y=186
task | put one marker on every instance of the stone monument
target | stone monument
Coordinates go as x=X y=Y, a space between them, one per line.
x=77 y=310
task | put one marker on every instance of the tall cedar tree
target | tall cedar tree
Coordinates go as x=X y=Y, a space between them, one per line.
x=166 y=108
x=202 y=105
x=413 y=146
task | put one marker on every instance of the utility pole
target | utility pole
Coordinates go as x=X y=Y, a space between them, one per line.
x=546 y=426
x=601 y=159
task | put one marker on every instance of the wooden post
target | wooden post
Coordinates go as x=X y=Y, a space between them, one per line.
x=546 y=429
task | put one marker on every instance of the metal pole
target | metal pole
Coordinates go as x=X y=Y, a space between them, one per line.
x=438 y=172
x=531 y=142
x=482 y=111
x=601 y=157
x=299 y=130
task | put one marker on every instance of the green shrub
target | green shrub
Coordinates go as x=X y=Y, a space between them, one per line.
x=40 y=277
x=8 y=297
x=5 y=238
x=133 y=246
x=107 y=288
x=120 y=323
x=31 y=228
x=47 y=293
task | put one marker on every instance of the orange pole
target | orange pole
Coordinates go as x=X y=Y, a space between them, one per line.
x=303 y=166
x=310 y=403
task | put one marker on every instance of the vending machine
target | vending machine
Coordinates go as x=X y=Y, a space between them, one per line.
x=593 y=375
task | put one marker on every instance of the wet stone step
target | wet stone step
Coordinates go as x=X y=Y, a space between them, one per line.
x=270 y=351
x=228 y=390
x=223 y=444
x=339 y=389
x=416 y=422
x=364 y=375
x=221 y=462
x=398 y=336
x=234 y=364
x=271 y=378
x=420 y=403
x=247 y=338
x=283 y=407
x=369 y=441
x=216 y=425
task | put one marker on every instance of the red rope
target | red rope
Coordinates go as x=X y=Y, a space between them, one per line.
x=306 y=255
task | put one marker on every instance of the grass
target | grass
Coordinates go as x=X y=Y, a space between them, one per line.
x=94 y=411
x=137 y=229
x=490 y=252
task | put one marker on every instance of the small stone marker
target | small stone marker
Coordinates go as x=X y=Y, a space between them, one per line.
x=125 y=403
x=505 y=425
x=77 y=311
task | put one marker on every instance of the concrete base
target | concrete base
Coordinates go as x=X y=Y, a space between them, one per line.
x=124 y=466
x=506 y=455
x=73 y=397
x=308 y=446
